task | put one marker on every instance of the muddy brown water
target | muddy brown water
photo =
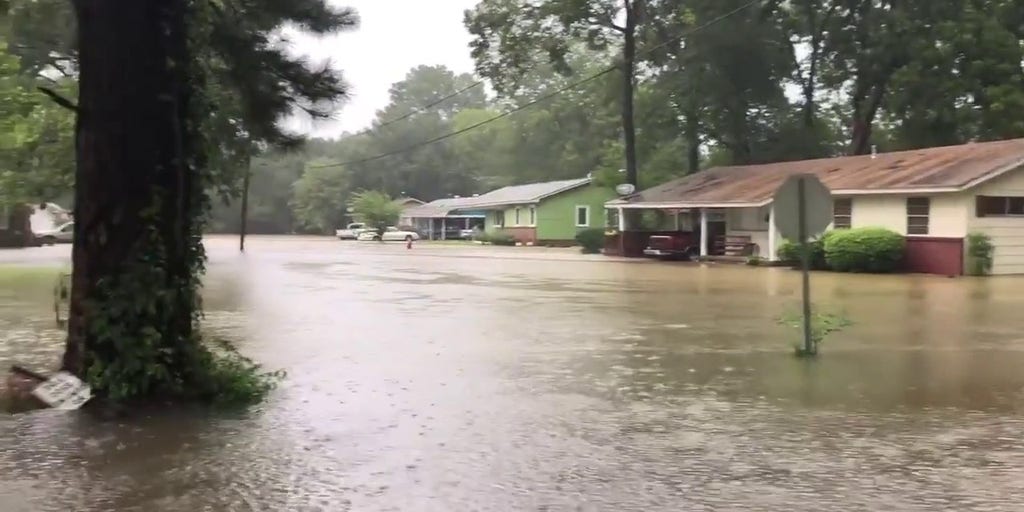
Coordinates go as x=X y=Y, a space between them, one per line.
x=471 y=379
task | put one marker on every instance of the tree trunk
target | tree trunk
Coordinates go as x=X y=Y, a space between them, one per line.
x=245 y=204
x=133 y=185
x=628 y=83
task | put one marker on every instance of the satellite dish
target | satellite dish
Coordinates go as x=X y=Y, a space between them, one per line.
x=625 y=189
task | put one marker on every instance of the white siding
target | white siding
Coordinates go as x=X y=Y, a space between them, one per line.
x=752 y=222
x=947 y=216
x=1007 y=233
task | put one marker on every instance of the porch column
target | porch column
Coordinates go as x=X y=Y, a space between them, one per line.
x=622 y=220
x=703 y=232
x=772 y=235
x=444 y=228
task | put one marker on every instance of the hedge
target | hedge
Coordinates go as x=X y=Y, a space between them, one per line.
x=789 y=252
x=591 y=240
x=875 y=250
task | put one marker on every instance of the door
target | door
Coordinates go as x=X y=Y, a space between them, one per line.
x=716 y=237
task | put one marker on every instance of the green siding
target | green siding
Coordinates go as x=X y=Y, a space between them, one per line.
x=556 y=215
x=510 y=217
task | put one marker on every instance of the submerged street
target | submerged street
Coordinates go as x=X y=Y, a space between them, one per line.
x=451 y=378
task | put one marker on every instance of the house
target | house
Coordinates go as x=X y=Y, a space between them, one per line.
x=442 y=219
x=935 y=197
x=549 y=213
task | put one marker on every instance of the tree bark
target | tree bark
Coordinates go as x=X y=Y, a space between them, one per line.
x=628 y=85
x=133 y=181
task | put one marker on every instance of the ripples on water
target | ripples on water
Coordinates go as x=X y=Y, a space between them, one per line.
x=423 y=381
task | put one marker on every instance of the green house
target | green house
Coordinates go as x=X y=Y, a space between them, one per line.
x=549 y=213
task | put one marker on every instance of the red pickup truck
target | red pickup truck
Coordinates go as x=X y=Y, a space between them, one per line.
x=676 y=246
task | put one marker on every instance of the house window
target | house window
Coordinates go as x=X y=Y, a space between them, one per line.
x=918 y=209
x=582 y=216
x=990 y=206
x=842 y=213
x=518 y=222
x=533 y=216
x=499 y=218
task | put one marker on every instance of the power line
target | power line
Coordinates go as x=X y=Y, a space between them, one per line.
x=544 y=97
x=431 y=105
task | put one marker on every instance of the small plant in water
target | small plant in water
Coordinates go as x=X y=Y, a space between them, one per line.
x=822 y=324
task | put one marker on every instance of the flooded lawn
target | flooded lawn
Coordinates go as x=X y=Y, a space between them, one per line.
x=500 y=379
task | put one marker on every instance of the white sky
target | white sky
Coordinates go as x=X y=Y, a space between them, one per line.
x=393 y=36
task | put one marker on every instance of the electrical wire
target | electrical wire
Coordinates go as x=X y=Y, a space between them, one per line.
x=544 y=97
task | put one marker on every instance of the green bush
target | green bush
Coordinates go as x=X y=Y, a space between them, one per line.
x=979 y=254
x=496 y=238
x=875 y=250
x=789 y=252
x=591 y=240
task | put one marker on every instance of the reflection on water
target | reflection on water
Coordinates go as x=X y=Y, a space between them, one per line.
x=447 y=379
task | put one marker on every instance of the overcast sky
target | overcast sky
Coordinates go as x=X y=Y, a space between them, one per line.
x=393 y=36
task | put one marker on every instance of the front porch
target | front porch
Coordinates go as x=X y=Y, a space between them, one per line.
x=717 y=231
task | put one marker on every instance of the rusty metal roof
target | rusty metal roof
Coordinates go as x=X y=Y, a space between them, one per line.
x=933 y=170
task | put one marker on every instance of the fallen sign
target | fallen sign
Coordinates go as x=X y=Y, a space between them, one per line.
x=63 y=391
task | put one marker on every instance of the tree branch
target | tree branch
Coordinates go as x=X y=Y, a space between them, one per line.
x=58 y=99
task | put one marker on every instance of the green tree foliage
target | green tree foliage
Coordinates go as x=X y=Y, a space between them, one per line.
x=319 y=198
x=376 y=209
x=36 y=137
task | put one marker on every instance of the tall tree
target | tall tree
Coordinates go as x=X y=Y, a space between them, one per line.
x=142 y=174
x=511 y=36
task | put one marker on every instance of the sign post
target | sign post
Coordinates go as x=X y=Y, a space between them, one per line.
x=803 y=208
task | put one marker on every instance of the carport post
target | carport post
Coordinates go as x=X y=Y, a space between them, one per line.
x=703 y=233
x=444 y=228
x=622 y=220
x=772 y=234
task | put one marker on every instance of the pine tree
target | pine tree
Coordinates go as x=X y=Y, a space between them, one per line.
x=164 y=86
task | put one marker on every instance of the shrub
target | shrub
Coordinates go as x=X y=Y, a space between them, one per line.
x=979 y=254
x=876 y=250
x=789 y=252
x=591 y=240
x=822 y=325
x=496 y=238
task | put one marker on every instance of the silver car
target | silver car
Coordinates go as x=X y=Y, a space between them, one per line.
x=63 y=234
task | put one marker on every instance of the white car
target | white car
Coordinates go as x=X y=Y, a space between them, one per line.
x=351 y=232
x=65 y=233
x=391 y=234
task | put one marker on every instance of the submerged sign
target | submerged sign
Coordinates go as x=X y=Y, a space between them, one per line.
x=63 y=391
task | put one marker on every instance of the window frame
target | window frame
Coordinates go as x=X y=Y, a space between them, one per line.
x=926 y=216
x=518 y=216
x=1006 y=201
x=533 y=216
x=848 y=216
x=499 y=218
x=576 y=215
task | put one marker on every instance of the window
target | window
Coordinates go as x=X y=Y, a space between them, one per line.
x=518 y=222
x=989 y=206
x=842 y=213
x=499 y=218
x=918 y=209
x=533 y=216
x=582 y=216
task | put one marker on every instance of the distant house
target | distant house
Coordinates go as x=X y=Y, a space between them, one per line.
x=443 y=219
x=935 y=197
x=545 y=213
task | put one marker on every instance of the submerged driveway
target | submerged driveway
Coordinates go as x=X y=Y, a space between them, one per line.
x=456 y=378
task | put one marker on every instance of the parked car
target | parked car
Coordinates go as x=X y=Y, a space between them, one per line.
x=672 y=247
x=65 y=233
x=351 y=232
x=391 y=234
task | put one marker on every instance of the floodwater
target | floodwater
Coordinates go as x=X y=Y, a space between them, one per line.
x=500 y=379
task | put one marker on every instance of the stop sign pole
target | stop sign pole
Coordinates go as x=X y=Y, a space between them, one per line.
x=803 y=208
